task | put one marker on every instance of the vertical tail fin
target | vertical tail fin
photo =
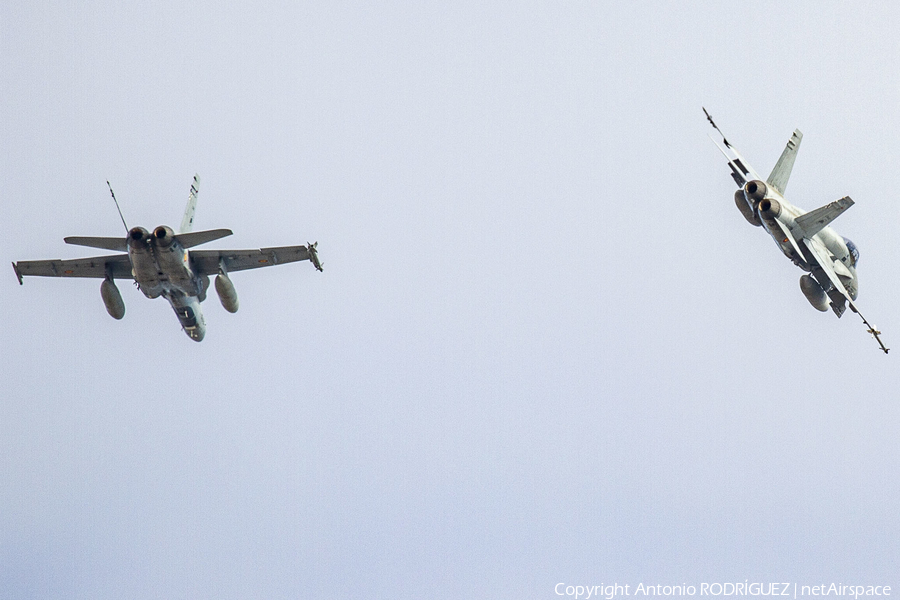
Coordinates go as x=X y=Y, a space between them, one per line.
x=187 y=223
x=782 y=171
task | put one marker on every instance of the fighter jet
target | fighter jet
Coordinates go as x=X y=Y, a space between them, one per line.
x=161 y=264
x=805 y=238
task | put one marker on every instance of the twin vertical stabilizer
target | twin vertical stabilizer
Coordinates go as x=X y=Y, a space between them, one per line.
x=187 y=222
x=782 y=171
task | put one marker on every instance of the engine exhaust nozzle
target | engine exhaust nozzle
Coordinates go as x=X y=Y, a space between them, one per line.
x=769 y=208
x=163 y=236
x=755 y=191
x=138 y=236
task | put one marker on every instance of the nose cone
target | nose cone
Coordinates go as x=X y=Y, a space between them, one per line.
x=197 y=333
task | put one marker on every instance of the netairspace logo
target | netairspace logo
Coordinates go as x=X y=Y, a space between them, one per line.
x=745 y=588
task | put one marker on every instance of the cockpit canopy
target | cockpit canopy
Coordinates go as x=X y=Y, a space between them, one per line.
x=854 y=252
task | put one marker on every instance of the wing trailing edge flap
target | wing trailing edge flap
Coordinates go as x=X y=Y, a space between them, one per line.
x=815 y=220
x=778 y=179
x=189 y=240
x=740 y=170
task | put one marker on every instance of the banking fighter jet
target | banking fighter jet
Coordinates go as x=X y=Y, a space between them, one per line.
x=162 y=263
x=805 y=238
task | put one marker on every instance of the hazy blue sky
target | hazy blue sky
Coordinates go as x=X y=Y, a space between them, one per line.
x=546 y=347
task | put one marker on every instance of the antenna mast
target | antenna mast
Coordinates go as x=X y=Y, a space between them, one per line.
x=113 y=194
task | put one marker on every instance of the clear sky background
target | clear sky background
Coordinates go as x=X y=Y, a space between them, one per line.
x=546 y=346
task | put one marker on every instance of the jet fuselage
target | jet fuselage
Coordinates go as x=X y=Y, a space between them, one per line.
x=773 y=207
x=803 y=236
x=161 y=266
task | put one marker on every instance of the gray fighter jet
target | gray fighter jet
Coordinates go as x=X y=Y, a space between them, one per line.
x=160 y=264
x=804 y=237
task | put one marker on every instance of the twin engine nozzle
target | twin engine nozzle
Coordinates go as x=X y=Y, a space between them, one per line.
x=755 y=191
x=138 y=235
x=161 y=236
x=767 y=208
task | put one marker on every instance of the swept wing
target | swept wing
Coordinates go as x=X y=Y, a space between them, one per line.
x=828 y=264
x=741 y=172
x=207 y=261
x=823 y=258
x=116 y=265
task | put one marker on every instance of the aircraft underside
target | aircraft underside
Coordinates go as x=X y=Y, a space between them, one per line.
x=187 y=308
x=161 y=264
x=804 y=237
x=161 y=267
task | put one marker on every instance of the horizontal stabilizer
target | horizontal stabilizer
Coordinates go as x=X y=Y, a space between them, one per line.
x=782 y=171
x=189 y=240
x=119 y=244
x=815 y=220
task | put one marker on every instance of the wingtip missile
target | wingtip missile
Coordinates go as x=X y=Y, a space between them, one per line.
x=876 y=334
x=872 y=329
x=716 y=127
x=314 y=255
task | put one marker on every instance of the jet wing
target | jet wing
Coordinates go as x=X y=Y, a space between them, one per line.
x=117 y=265
x=823 y=257
x=741 y=172
x=207 y=261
